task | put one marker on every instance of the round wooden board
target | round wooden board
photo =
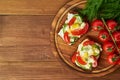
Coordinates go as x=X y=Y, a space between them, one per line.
x=64 y=51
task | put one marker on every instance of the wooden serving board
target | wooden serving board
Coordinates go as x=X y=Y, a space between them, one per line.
x=65 y=51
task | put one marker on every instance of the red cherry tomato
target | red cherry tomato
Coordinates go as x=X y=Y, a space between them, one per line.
x=116 y=36
x=74 y=57
x=79 y=32
x=66 y=37
x=80 y=60
x=88 y=43
x=111 y=24
x=113 y=59
x=104 y=36
x=72 y=21
x=109 y=47
x=97 y=25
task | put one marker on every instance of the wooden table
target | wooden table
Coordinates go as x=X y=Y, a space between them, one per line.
x=25 y=52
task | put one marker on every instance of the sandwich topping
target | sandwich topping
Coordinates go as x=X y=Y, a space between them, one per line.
x=87 y=54
x=73 y=28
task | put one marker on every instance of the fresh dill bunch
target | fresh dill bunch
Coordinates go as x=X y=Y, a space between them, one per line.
x=92 y=8
x=107 y=9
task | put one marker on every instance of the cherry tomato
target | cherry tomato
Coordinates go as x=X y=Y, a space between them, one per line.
x=72 y=21
x=113 y=59
x=104 y=36
x=79 y=32
x=97 y=25
x=109 y=47
x=74 y=57
x=80 y=60
x=66 y=37
x=116 y=36
x=111 y=24
x=88 y=43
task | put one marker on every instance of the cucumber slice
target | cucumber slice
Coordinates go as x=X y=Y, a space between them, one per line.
x=96 y=54
x=96 y=47
x=78 y=18
x=65 y=28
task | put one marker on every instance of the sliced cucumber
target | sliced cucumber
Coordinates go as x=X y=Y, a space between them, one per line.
x=96 y=47
x=78 y=18
x=96 y=53
x=65 y=28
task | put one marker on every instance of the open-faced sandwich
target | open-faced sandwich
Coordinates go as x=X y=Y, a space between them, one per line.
x=73 y=28
x=87 y=54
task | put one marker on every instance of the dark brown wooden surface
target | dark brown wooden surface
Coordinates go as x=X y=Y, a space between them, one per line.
x=25 y=52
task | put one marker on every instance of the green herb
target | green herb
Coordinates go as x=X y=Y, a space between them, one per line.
x=107 y=9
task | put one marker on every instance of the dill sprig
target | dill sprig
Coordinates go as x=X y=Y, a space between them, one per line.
x=107 y=9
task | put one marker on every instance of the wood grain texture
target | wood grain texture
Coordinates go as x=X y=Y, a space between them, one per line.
x=43 y=71
x=30 y=7
x=25 y=51
x=25 y=38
